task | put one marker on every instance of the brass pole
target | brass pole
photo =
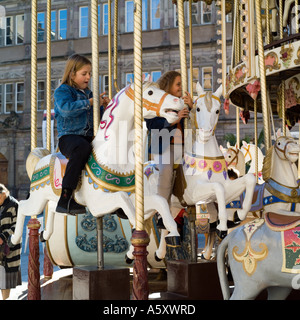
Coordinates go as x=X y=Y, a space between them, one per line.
x=282 y=100
x=280 y=19
x=140 y=238
x=109 y=52
x=191 y=47
x=255 y=139
x=48 y=87
x=262 y=71
x=96 y=114
x=33 y=74
x=224 y=57
x=116 y=46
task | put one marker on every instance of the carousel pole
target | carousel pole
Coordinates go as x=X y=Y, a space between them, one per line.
x=48 y=267
x=262 y=71
x=34 y=289
x=116 y=45
x=140 y=238
x=109 y=52
x=96 y=114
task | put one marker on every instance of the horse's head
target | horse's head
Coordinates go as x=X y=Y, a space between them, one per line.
x=287 y=148
x=158 y=103
x=207 y=112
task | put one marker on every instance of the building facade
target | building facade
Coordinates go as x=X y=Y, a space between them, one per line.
x=70 y=33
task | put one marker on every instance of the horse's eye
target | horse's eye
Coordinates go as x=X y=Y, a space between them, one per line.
x=278 y=143
x=198 y=109
x=150 y=93
x=217 y=111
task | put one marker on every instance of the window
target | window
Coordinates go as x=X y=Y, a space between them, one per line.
x=195 y=14
x=53 y=25
x=155 y=14
x=105 y=83
x=129 y=78
x=105 y=19
x=20 y=29
x=41 y=27
x=205 y=13
x=62 y=25
x=9 y=31
x=20 y=97
x=207 y=78
x=1 y=98
x=129 y=15
x=195 y=79
x=8 y=95
x=41 y=95
x=83 y=21
x=155 y=75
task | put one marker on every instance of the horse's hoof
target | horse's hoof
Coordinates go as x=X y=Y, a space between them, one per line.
x=156 y=257
x=236 y=218
x=128 y=260
x=42 y=239
x=221 y=234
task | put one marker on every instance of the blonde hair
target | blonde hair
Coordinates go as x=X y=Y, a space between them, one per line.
x=166 y=81
x=74 y=63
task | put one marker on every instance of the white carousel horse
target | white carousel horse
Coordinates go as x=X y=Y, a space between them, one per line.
x=263 y=253
x=248 y=150
x=205 y=169
x=108 y=177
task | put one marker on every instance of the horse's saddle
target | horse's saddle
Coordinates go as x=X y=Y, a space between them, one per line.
x=279 y=222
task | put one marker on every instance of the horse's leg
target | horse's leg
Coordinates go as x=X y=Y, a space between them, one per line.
x=160 y=204
x=209 y=245
x=46 y=234
x=33 y=206
x=278 y=293
x=249 y=182
x=220 y=195
x=160 y=253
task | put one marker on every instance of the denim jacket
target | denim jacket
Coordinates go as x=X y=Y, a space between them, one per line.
x=73 y=112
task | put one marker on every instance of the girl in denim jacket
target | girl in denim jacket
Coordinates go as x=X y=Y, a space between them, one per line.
x=73 y=107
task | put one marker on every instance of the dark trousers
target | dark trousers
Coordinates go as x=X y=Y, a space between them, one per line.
x=77 y=149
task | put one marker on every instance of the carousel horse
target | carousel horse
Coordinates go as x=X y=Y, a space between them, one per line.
x=205 y=172
x=263 y=254
x=248 y=149
x=205 y=169
x=107 y=182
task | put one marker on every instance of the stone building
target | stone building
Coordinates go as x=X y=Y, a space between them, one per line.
x=70 y=29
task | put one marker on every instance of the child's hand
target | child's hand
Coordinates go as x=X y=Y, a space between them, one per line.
x=188 y=100
x=104 y=101
x=184 y=113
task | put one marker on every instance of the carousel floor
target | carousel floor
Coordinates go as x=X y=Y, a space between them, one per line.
x=60 y=287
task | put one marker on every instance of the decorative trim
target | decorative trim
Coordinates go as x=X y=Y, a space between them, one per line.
x=249 y=257
x=105 y=178
x=288 y=194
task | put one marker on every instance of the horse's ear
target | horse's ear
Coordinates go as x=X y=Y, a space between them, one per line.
x=219 y=92
x=236 y=146
x=228 y=144
x=278 y=133
x=222 y=148
x=245 y=144
x=288 y=133
x=199 y=89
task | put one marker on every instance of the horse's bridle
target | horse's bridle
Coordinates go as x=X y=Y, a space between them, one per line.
x=146 y=103
x=235 y=157
x=286 y=144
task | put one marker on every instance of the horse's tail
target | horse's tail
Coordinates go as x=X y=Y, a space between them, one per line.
x=222 y=268
x=33 y=158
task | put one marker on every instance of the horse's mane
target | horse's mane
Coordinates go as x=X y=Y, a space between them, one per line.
x=148 y=84
x=208 y=100
x=267 y=164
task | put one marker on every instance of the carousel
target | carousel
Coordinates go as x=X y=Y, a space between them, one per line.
x=249 y=216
